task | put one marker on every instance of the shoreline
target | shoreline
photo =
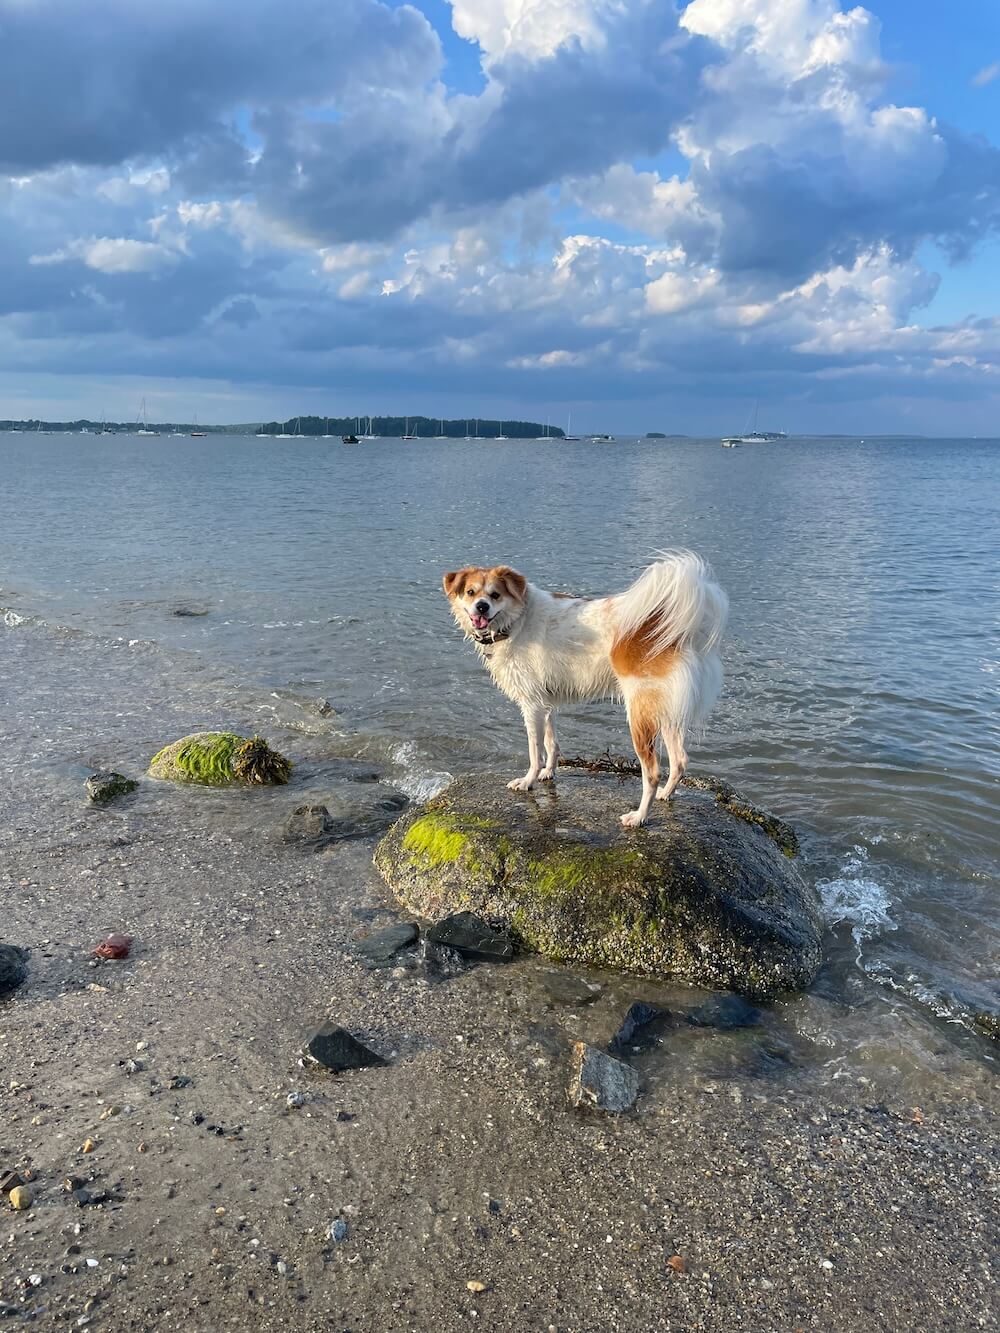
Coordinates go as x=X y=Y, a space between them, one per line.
x=460 y=1161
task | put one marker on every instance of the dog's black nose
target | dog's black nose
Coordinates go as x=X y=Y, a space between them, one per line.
x=482 y=607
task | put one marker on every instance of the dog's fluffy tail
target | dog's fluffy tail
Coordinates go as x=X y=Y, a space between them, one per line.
x=675 y=601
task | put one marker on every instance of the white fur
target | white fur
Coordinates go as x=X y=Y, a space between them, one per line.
x=558 y=651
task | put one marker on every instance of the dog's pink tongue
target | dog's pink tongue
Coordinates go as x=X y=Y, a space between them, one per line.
x=479 y=622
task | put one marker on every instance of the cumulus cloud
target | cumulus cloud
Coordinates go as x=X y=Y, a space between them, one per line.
x=314 y=204
x=112 y=254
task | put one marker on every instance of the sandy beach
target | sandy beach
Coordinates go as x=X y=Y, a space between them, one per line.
x=732 y=1198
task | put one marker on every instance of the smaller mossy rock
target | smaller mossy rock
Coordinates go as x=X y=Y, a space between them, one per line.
x=106 y=785
x=221 y=759
x=698 y=895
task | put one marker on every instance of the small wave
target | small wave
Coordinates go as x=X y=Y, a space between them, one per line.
x=11 y=619
x=857 y=898
x=417 y=781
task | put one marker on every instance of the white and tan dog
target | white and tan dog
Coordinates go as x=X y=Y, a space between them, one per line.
x=654 y=646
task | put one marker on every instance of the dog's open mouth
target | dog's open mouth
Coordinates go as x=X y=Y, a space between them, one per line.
x=479 y=622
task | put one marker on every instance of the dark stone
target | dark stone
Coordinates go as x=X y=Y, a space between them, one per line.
x=325 y=708
x=639 y=1027
x=469 y=935
x=600 y=1081
x=180 y=1081
x=335 y=1049
x=725 y=1012
x=378 y=950
x=10 y=1181
x=13 y=968
x=107 y=785
x=701 y=894
x=189 y=611
x=308 y=823
x=564 y=988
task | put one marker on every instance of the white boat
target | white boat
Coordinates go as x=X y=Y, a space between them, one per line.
x=407 y=435
x=143 y=429
x=751 y=435
x=569 y=435
x=368 y=432
x=326 y=432
x=501 y=435
x=601 y=439
x=442 y=435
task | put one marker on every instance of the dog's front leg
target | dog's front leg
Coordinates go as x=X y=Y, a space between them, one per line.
x=534 y=722
x=548 y=773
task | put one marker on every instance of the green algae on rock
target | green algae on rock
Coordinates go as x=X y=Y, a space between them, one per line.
x=698 y=894
x=221 y=759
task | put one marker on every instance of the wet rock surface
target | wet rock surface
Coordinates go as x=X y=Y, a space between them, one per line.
x=725 y=1012
x=380 y=948
x=700 y=894
x=641 y=1026
x=470 y=936
x=601 y=1082
x=338 y=1050
x=106 y=785
x=13 y=968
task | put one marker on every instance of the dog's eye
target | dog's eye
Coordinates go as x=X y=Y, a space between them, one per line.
x=495 y=596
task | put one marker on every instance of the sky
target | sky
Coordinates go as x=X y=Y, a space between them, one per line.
x=645 y=215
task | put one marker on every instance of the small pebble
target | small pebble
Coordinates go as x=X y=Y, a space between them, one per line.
x=35 y=1279
x=20 y=1198
x=337 y=1230
x=295 y=1099
x=476 y=1286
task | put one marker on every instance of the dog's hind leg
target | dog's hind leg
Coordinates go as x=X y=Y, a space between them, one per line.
x=534 y=723
x=645 y=711
x=674 y=742
x=548 y=773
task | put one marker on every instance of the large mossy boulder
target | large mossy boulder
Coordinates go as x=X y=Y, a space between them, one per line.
x=221 y=759
x=699 y=894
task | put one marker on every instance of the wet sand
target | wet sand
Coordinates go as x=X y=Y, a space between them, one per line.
x=794 y=1199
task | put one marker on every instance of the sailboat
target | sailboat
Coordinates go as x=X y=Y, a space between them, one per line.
x=143 y=429
x=408 y=436
x=368 y=432
x=326 y=432
x=501 y=435
x=569 y=422
x=284 y=434
x=197 y=434
x=546 y=435
x=467 y=435
x=753 y=435
x=441 y=435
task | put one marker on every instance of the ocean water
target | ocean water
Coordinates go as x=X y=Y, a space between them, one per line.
x=861 y=660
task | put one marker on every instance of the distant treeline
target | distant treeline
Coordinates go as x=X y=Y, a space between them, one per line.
x=423 y=427
x=117 y=427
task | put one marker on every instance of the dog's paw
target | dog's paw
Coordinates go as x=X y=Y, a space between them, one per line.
x=521 y=784
x=546 y=775
x=663 y=794
x=633 y=819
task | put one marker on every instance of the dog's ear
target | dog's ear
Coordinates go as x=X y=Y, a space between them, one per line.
x=453 y=582
x=514 y=582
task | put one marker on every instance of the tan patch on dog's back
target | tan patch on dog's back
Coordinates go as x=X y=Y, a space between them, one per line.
x=636 y=654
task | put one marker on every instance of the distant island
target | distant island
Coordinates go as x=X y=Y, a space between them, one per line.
x=378 y=427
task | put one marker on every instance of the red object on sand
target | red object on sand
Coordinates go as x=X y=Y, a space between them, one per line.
x=115 y=946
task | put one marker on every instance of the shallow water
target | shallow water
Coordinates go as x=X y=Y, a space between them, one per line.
x=861 y=661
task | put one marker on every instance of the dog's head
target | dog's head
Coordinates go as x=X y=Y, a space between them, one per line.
x=485 y=602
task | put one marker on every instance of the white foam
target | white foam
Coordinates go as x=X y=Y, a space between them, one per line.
x=857 y=898
x=11 y=619
x=417 y=781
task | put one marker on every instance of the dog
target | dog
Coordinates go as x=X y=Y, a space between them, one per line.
x=655 y=647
